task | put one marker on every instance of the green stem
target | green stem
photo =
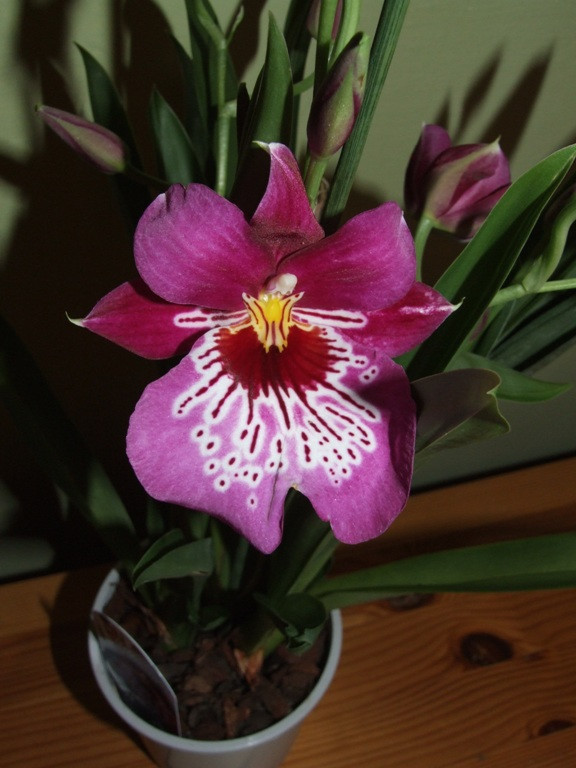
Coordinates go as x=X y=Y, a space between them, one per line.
x=258 y=632
x=324 y=41
x=266 y=642
x=425 y=226
x=304 y=85
x=222 y=121
x=315 y=169
x=518 y=291
x=536 y=273
x=348 y=26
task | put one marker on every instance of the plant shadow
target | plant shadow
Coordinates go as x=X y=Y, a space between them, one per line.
x=69 y=619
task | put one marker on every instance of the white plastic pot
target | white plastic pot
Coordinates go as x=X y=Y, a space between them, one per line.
x=265 y=749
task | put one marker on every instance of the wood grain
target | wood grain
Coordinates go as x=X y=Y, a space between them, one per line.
x=406 y=695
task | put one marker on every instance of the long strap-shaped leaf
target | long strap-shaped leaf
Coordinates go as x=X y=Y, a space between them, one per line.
x=58 y=448
x=381 y=53
x=109 y=111
x=536 y=563
x=270 y=113
x=305 y=551
x=483 y=266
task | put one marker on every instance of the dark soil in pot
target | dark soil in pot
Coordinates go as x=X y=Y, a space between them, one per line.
x=216 y=700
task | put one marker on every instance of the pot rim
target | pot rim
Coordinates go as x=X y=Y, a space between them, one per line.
x=110 y=693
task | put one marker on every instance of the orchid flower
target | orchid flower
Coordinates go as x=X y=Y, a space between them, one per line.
x=287 y=379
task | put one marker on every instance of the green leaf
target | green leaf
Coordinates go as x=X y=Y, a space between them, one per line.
x=268 y=119
x=155 y=522
x=538 y=327
x=305 y=551
x=385 y=40
x=230 y=553
x=537 y=272
x=297 y=42
x=107 y=110
x=456 y=407
x=197 y=523
x=542 y=562
x=169 y=559
x=486 y=424
x=270 y=113
x=200 y=62
x=513 y=384
x=195 y=107
x=207 y=43
x=209 y=47
x=55 y=443
x=173 y=146
x=106 y=105
x=300 y=617
x=482 y=267
x=164 y=543
x=542 y=337
x=238 y=563
x=201 y=17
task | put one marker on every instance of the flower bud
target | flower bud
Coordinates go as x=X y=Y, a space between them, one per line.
x=456 y=187
x=95 y=143
x=338 y=100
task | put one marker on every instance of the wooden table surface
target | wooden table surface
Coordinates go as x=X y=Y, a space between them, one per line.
x=463 y=681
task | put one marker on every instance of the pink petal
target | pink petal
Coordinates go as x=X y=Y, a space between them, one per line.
x=406 y=324
x=188 y=457
x=194 y=247
x=133 y=317
x=362 y=502
x=284 y=220
x=138 y=320
x=461 y=177
x=466 y=221
x=231 y=429
x=195 y=440
x=367 y=264
x=432 y=142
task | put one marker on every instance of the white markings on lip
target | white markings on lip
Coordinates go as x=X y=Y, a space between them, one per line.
x=308 y=415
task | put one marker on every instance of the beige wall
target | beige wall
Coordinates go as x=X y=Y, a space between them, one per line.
x=485 y=67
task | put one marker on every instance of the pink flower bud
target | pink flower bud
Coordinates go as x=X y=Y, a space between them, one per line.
x=454 y=186
x=95 y=143
x=338 y=100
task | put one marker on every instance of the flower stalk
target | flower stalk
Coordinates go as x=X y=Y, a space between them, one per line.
x=324 y=40
x=423 y=230
x=519 y=291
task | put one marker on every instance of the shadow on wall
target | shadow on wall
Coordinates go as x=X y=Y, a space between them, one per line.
x=69 y=247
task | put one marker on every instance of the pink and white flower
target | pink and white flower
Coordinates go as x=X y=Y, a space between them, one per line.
x=287 y=379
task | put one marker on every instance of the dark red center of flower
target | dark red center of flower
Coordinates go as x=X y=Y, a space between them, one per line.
x=302 y=365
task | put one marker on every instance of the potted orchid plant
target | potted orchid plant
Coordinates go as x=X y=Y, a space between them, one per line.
x=310 y=364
